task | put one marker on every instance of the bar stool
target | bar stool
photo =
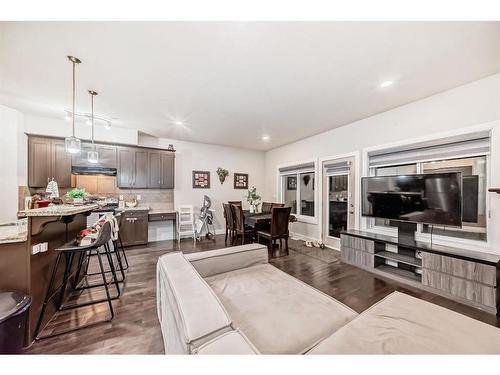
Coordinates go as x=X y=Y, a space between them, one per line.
x=70 y=250
x=117 y=247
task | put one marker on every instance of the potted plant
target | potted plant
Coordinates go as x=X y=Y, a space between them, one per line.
x=223 y=173
x=253 y=199
x=77 y=195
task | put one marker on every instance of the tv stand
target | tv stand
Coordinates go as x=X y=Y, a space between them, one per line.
x=406 y=231
x=466 y=276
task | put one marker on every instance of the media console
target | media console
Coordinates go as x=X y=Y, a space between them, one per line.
x=466 y=276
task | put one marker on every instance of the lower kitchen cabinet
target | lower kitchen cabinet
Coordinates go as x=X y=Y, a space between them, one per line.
x=134 y=228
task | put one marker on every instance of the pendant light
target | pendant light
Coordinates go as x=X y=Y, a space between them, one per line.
x=92 y=155
x=72 y=144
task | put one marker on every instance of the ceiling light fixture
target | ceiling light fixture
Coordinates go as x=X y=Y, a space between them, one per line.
x=266 y=138
x=178 y=123
x=72 y=144
x=386 y=84
x=92 y=155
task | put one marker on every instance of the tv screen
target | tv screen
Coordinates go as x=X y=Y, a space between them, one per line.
x=425 y=198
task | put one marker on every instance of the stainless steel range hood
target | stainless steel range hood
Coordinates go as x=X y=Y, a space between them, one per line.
x=93 y=170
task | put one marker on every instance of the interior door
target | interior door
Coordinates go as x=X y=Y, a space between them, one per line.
x=338 y=199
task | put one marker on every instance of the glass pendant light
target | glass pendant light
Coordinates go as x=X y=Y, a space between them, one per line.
x=72 y=144
x=93 y=155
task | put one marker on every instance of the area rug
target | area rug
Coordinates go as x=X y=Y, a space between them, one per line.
x=326 y=255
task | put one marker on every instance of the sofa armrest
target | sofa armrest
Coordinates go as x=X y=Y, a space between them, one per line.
x=232 y=342
x=213 y=262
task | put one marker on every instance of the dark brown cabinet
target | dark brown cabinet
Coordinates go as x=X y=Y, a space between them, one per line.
x=134 y=228
x=167 y=170
x=47 y=159
x=161 y=170
x=132 y=168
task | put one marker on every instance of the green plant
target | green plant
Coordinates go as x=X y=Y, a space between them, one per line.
x=252 y=197
x=223 y=173
x=76 y=194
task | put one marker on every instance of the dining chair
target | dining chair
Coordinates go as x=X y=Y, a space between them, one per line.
x=266 y=207
x=245 y=231
x=237 y=203
x=228 y=215
x=277 y=205
x=280 y=217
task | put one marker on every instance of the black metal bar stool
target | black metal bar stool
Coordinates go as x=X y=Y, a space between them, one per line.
x=117 y=247
x=70 y=250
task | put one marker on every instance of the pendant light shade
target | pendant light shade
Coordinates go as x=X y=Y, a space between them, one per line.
x=92 y=155
x=72 y=144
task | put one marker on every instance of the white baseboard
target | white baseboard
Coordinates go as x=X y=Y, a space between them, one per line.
x=301 y=237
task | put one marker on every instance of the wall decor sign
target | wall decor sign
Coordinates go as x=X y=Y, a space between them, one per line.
x=201 y=180
x=291 y=183
x=241 y=181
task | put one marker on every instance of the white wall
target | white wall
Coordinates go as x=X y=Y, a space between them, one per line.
x=10 y=123
x=191 y=156
x=468 y=105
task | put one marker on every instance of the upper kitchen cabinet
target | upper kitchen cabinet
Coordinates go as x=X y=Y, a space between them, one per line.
x=47 y=159
x=167 y=170
x=132 y=168
x=161 y=169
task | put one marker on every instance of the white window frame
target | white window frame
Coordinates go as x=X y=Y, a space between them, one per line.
x=368 y=224
x=279 y=188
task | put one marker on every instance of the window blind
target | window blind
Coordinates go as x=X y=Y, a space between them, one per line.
x=305 y=167
x=449 y=148
x=338 y=167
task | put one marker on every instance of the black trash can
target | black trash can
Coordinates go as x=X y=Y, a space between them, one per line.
x=13 y=321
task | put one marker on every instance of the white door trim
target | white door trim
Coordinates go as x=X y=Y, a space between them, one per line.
x=357 y=186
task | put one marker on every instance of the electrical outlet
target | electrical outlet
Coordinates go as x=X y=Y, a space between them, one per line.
x=44 y=246
x=35 y=249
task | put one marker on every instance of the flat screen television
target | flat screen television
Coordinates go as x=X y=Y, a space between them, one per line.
x=424 y=198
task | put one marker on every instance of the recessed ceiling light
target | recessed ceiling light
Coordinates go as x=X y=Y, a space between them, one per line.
x=386 y=84
x=178 y=123
x=266 y=138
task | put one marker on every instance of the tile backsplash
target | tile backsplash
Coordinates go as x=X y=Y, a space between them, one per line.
x=106 y=186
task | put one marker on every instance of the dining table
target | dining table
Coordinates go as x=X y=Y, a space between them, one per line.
x=255 y=218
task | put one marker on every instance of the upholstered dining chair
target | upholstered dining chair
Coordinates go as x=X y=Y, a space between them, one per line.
x=237 y=203
x=241 y=229
x=277 y=205
x=280 y=217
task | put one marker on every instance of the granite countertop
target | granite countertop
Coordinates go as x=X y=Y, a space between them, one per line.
x=13 y=232
x=59 y=210
x=137 y=208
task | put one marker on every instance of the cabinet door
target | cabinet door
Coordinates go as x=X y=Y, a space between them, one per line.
x=141 y=169
x=38 y=161
x=126 y=167
x=134 y=229
x=154 y=175
x=61 y=164
x=167 y=170
x=141 y=230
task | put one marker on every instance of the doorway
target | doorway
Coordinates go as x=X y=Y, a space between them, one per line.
x=338 y=199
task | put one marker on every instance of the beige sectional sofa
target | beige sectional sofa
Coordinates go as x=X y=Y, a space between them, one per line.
x=231 y=301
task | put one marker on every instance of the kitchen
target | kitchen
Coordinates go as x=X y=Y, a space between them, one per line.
x=136 y=181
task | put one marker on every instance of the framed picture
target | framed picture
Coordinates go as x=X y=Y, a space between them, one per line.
x=241 y=181
x=201 y=180
x=291 y=183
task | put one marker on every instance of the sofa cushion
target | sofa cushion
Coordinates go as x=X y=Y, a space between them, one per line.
x=212 y=262
x=233 y=342
x=277 y=312
x=189 y=311
x=400 y=324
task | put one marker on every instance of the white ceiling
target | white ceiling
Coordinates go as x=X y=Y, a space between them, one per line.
x=233 y=82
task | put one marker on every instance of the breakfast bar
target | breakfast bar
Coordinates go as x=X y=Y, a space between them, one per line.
x=27 y=251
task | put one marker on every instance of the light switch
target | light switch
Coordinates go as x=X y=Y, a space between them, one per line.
x=35 y=249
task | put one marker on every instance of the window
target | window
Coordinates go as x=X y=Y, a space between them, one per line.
x=298 y=189
x=468 y=155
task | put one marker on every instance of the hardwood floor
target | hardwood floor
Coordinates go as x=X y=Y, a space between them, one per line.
x=135 y=328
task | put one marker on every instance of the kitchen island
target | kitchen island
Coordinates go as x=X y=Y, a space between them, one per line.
x=27 y=257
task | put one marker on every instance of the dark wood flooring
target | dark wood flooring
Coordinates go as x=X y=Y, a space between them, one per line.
x=135 y=328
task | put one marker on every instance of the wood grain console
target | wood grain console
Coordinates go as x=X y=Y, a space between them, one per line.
x=466 y=276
